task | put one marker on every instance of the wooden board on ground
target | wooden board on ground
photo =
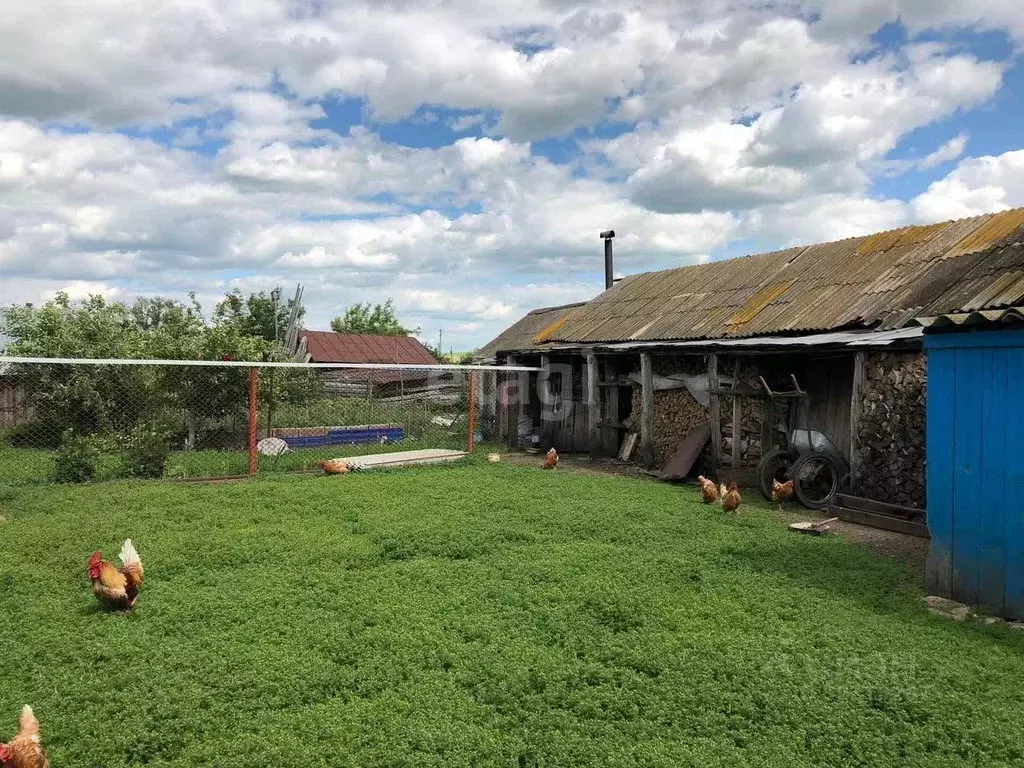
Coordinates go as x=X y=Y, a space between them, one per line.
x=878 y=507
x=687 y=452
x=403 y=458
x=628 y=446
x=885 y=522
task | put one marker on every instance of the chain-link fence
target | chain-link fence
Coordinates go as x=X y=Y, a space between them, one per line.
x=80 y=421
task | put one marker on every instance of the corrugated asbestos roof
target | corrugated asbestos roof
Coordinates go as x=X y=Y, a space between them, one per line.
x=521 y=335
x=982 y=317
x=879 y=281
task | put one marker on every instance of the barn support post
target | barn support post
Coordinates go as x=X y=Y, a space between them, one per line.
x=544 y=392
x=855 y=408
x=767 y=425
x=646 y=409
x=593 y=404
x=715 y=411
x=518 y=399
x=254 y=419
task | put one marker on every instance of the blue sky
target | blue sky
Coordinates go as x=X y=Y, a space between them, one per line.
x=461 y=157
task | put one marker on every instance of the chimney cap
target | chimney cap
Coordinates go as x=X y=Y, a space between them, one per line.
x=608 y=234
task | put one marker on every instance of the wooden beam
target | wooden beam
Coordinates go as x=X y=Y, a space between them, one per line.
x=515 y=402
x=646 y=409
x=855 y=408
x=884 y=522
x=593 y=397
x=767 y=425
x=544 y=391
x=737 y=427
x=715 y=410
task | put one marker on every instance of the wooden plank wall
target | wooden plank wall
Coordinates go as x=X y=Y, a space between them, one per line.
x=14 y=409
x=565 y=412
x=829 y=382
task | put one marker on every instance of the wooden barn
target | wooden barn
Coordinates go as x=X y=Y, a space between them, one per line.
x=749 y=349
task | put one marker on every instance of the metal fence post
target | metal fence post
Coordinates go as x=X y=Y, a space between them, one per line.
x=471 y=437
x=254 y=391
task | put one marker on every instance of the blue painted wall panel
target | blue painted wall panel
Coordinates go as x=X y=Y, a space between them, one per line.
x=991 y=506
x=941 y=393
x=1014 y=511
x=967 y=473
x=975 y=443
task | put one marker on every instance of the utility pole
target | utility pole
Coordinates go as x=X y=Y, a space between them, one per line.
x=275 y=298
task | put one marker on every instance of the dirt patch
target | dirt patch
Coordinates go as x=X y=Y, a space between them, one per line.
x=580 y=464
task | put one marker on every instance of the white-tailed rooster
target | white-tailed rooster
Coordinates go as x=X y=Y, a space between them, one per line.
x=117 y=588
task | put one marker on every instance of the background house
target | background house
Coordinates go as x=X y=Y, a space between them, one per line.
x=835 y=320
x=331 y=347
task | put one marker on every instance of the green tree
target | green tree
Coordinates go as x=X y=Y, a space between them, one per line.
x=116 y=398
x=372 y=318
x=83 y=398
x=258 y=315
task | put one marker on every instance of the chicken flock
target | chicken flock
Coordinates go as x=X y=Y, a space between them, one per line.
x=116 y=588
x=728 y=495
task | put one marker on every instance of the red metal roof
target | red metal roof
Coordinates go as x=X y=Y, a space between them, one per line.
x=331 y=347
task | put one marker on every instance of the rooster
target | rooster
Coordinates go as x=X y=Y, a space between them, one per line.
x=333 y=466
x=117 y=587
x=782 y=492
x=26 y=749
x=551 y=459
x=708 y=489
x=731 y=500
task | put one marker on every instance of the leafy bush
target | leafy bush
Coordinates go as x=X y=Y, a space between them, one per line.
x=75 y=459
x=144 y=451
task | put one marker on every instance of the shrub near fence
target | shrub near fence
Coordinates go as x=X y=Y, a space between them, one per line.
x=99 y=420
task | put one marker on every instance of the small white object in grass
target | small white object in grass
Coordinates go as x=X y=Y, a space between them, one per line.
x=493 y=457
x=272 y=446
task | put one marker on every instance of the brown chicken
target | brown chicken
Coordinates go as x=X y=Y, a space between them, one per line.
x=117 y=588
x=551 y=459
x=333 y=466
x=782 y=492
x=731 y=500
x=707 y=489
x=26 y=749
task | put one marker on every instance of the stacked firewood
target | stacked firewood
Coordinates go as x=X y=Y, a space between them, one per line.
x=675 y=414
x=750 y=430
x=891 y=431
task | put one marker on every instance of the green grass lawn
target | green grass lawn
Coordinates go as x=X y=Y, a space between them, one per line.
x=28 y=466
x=481 y=615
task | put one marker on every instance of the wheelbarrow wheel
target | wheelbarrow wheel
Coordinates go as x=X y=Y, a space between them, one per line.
x=816 y=480
x=776 y=465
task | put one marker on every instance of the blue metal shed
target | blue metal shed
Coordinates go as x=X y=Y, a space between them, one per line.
x=975 y=443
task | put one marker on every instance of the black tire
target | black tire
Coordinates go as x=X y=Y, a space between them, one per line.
x=776 y=465
x=816 y=480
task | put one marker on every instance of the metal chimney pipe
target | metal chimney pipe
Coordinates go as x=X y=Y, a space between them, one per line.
x=609 y=271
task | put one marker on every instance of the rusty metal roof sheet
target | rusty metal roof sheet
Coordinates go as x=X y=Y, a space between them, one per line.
x=883 y=280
